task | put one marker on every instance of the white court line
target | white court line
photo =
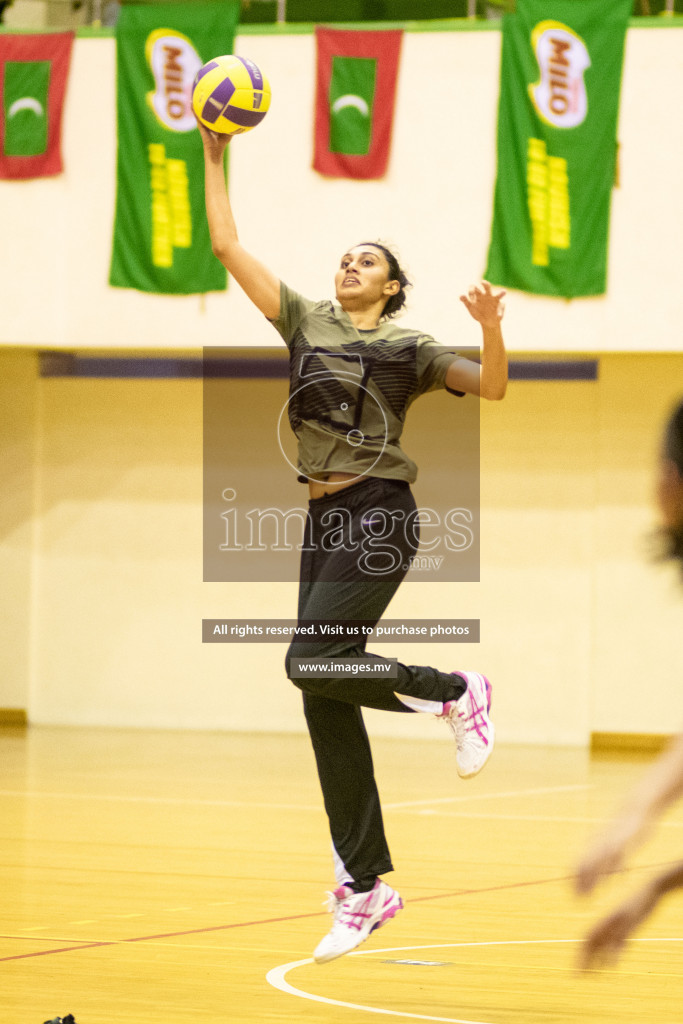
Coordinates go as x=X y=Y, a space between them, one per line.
x=276 y=978
x=178 y=801
x=277 y=975
x=170 y=800
x=531 y=817
x=488 y=796
x=412 y=805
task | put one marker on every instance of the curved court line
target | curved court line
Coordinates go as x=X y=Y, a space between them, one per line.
x=277 y=975
x=276 y=978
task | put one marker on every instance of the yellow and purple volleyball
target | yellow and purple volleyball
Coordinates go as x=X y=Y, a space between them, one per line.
x=230 y=95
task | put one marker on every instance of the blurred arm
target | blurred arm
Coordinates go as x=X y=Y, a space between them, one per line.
x=659 y=787
x=606 y=940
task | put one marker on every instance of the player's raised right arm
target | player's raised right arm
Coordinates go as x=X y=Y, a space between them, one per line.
x=256 y=280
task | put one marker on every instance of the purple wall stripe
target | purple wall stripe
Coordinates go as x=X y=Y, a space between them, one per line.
x=273 y=363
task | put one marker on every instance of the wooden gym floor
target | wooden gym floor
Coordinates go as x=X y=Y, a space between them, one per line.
x=155 y=877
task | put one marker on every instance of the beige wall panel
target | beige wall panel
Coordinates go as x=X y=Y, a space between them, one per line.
x=17 y=459
x=120 y=598
x=102 y=552
x=639 y=603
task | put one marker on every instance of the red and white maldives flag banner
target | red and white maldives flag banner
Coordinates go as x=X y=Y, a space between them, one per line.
x=355 y=95
x=33 y=75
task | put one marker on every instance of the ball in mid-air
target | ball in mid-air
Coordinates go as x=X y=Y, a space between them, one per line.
x=230 y=95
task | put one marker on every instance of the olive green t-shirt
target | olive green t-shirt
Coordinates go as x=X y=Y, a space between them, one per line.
x=350 y=390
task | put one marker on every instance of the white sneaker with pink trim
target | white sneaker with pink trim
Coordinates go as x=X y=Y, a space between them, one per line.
x=355 y=916
x=469 y=719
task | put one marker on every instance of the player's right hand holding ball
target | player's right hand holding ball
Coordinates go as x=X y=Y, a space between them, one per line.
x=214 y=143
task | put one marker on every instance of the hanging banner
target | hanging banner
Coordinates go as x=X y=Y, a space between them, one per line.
x=557 y=121
x=354 y=108
x=33 y=74
x=161 y=236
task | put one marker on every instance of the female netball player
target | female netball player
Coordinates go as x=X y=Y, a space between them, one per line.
x=663 y=784
x=353 y=375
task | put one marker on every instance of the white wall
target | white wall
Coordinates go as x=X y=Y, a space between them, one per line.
x=435 y=203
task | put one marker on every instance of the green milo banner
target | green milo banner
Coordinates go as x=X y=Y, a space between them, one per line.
x=161 y=237
x=557 y=121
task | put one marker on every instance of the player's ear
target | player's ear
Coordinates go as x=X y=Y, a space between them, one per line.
x=392 y=287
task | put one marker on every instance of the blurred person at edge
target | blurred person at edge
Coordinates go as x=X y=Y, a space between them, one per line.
x=663 y=783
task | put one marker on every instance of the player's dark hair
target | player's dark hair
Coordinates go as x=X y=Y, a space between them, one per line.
x=672 y=451
x=394 y=303
x=673 y=439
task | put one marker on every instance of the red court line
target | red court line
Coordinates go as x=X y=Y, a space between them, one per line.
x=149 y=938
x=49 y=952
x=295 y=917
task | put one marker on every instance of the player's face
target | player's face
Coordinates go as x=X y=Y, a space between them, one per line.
x=363 y=277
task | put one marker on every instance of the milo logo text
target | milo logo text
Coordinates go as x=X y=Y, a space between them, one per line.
x=174 y=62
x=560 y=96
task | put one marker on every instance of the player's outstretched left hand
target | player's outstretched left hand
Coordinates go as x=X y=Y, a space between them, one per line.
x=485 y=304
x=604 y=944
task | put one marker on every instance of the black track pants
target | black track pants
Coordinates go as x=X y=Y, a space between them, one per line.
x=357 y=549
